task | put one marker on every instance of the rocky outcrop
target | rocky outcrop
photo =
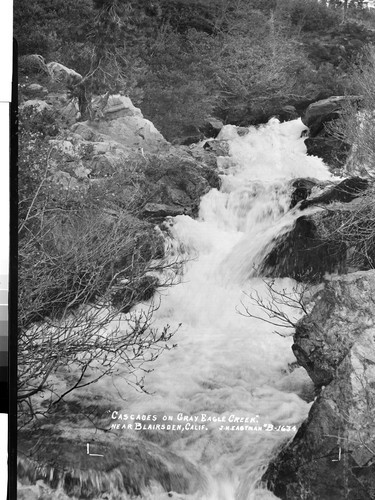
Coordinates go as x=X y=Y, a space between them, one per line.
x=116 y=119
x=62 y=74
x=321 y=142
x=332 y=456
x=343 y=192
x=319 y=113
x=161 y=184
x=331 y=150
x=302 y=190
x=125 y=468
x=212 y=127
x=117 y=150
x=303 y=254
x=306 y=253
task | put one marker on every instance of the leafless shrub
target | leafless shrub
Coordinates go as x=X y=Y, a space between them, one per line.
x=81 y=268
x=280 y=307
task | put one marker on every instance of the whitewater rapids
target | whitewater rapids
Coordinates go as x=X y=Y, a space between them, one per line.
x=226 y=364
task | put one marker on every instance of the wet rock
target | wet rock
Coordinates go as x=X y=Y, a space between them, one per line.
x=212 y=127
x=344 y=192
x=126 y=467
x=332 y=454
x=303 y=255
x=302 y=190
x=321 y=142
x=219 y=148
x=287 y=113
x=330 y=149
x=179 y=181
x=306 y=253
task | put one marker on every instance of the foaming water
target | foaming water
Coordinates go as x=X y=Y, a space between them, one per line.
x=227 y=365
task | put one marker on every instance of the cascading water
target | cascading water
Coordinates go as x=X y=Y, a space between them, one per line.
x=227 y=366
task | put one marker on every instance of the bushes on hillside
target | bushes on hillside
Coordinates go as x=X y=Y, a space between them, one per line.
x=183 y=61
x=358 y=126
x=354 y=224
x=308 y=15
x=80 y=264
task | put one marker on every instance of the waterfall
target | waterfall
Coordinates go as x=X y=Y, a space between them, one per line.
x=228 y=386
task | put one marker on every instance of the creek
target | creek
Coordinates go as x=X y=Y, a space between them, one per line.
x=229 y=384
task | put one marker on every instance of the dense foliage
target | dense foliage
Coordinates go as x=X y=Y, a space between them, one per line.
x=184 y=61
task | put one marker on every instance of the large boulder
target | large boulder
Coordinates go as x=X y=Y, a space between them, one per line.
x=175 y=183
x=303 y=254
x=321 y=142
x=306 y=253
x=122 y=153
x=301 y=190
x=125 y=467
x=343 y=192
x=117 y=119
x=62 y=74
x=319 y=113
x=331 y=150
x=332 y=454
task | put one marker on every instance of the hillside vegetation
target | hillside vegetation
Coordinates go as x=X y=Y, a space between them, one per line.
x=183 y=61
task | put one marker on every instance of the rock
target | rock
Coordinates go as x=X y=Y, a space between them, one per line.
x=35 y=106
x=212 y=127
x=35 y=87
x=287 y=113
x=332 y=454
x=343 y=311
x=126 y=468
x=161 y=179
x=219 y=148
x=32 y=64
x=118 y=106
x=123 y=123
x=134 y=132
x=83 y=131
x=159 y=211
x=70 y=112
x=321 y=112
x=306 y=253
x=303 y=254
x=344 y=192
x=330 y=149
x=62 y=74
x=242 y=131
x=321 y=142
x=178 y=181
x=302 y=190
x=35 y=90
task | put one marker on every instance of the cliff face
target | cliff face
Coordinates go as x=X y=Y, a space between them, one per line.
x=332 y=457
